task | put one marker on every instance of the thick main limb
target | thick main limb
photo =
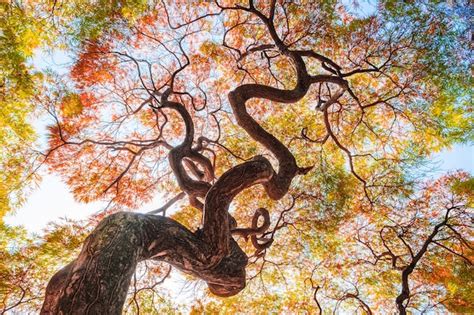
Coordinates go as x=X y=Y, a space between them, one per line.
x=98 y=280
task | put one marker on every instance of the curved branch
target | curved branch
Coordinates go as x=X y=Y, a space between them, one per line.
x=177 y=155
x=288 y=168
x=255 y=230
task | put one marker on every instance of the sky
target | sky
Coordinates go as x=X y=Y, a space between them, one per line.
x=459 y=157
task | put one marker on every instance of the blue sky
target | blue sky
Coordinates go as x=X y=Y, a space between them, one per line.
x=459 y=157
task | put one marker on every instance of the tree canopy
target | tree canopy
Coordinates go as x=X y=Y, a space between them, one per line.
x=290 y=140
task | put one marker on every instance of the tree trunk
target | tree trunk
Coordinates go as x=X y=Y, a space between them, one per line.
x=97 y=281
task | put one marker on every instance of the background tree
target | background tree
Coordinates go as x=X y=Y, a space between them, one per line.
x=331 y=112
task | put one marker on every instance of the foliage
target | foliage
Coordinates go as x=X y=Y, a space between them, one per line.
x=28 y=261
x=18 y=83
x=347 y=230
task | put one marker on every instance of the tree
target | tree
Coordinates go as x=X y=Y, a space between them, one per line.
x=193 y=99
x=433 y=224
